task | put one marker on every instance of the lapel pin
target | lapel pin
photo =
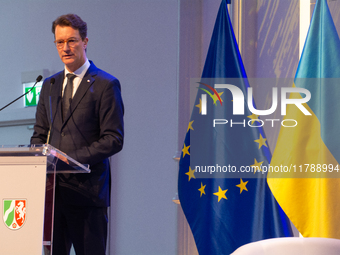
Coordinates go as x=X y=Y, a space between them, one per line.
x=88 y=80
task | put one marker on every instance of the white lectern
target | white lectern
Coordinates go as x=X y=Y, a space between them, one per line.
x=27 y=179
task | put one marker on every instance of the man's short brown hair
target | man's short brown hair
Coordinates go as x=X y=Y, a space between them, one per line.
x=71 y=20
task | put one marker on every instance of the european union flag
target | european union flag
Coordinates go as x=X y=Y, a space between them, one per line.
x=225 y=208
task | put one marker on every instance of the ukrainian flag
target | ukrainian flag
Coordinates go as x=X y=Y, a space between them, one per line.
x=312 y=148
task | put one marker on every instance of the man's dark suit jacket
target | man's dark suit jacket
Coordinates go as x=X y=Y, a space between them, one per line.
x=91 y=132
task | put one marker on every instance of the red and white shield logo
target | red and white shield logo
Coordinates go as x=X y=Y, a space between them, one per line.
x=20 y=212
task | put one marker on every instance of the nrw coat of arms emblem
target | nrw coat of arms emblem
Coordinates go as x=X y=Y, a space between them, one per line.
x=14 y=213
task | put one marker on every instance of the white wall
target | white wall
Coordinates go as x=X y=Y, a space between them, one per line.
x=137 y=41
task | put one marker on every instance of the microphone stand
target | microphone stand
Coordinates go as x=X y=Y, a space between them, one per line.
x=37 y=80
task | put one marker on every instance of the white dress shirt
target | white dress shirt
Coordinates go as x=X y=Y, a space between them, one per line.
x=80 y=73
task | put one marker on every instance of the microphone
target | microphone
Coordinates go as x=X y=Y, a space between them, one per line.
x=50 y=106
x=39 y=78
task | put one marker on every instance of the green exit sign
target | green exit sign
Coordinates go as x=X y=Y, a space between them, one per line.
x=32 y=98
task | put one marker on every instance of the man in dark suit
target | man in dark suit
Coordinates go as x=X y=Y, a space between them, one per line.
x=87 y=124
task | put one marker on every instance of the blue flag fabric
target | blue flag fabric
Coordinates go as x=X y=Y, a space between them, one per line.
x=225 y=213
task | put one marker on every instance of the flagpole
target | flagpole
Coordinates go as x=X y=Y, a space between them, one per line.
x=304 y=23
x=235 y=10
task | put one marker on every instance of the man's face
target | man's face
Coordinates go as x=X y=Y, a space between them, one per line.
x=73 y=57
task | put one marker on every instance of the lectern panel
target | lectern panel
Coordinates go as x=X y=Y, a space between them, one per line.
x=22 y=197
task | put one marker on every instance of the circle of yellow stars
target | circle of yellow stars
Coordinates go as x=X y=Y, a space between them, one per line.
x=221 y=193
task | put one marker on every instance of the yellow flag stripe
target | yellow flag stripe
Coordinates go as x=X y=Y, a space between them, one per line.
x=309 y=203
